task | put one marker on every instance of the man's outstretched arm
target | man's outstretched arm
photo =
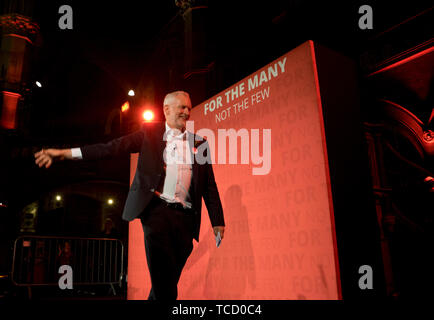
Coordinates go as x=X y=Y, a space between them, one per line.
x=127 y=144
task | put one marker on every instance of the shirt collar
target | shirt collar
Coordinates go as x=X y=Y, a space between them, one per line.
x=169 y=129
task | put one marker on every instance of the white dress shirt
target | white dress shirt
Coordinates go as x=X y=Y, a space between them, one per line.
x=178 y=165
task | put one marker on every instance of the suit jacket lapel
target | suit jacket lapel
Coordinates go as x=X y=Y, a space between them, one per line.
x=161 y=144
x=157 y=142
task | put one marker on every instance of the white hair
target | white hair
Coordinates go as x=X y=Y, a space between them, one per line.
x=174 y=94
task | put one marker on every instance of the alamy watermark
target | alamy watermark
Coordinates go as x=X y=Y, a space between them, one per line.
x=65 y=21
x=65 y=281
x=366 y=21
x=366 y=280
x=225 y=142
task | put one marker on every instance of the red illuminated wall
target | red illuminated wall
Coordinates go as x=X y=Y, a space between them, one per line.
x=9 y=109
x=280 y=239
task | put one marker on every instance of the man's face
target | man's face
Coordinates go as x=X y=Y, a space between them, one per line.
x=177 y=111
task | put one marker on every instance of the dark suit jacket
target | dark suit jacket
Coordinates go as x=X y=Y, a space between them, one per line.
x=149 y=143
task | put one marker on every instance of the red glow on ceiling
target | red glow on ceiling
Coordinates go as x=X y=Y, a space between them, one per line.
x=403 y=61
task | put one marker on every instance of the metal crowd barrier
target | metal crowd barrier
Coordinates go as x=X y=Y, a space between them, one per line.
x=37 y=259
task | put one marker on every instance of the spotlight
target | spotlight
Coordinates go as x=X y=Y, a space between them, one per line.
x=148 y=115
x=110 y=201
x=58 y=198
x=38 y=84
x=131 y=93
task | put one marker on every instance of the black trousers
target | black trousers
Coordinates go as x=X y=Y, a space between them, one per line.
x=168 y=234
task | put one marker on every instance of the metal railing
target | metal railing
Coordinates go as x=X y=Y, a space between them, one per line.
x=37 y=259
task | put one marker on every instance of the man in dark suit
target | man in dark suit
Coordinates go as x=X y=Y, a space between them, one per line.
x=171 y=179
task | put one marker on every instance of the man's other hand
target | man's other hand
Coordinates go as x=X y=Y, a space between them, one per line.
x=45 y=157
x=221 y=229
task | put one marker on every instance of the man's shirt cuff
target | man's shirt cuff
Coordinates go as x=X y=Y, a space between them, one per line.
x=76 y=154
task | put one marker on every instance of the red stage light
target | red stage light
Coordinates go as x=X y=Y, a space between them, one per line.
x=148 y=115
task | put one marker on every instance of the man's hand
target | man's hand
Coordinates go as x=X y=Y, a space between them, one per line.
x=45 y=157
x=221 y=229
